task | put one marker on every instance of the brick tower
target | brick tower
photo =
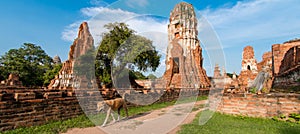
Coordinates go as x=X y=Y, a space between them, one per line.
x=184 y=61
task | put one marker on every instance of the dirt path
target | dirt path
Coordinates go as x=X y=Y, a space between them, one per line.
x=158 y=121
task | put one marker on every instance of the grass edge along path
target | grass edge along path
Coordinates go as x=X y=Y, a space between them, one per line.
x=83 y=121
x=231 y=124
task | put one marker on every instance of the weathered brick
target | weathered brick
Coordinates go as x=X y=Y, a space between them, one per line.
x=34 y=101
x=259 y=105
x=51 y=95
x=24 y=96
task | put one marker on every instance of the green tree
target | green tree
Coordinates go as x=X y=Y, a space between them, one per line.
x=121 y=47
x=50 y=74
x=30 y=62
x=229 y=74
x=151 y=76
x=137 y=75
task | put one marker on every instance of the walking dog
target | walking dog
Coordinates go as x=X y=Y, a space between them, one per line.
x=115 y=104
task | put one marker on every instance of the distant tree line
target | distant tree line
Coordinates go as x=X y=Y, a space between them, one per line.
x=31 y=63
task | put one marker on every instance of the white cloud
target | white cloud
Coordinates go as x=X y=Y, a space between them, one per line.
x=134 y=3
x=255 y=20
x=101 y=15
x=246 y=22
x=259 y=23
x=144 y=25
x=98 y=3
x=70 y=31
x=106 y=12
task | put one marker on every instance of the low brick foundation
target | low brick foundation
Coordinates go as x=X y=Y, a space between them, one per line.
x=22 y=107
x=260 y=105
x=29 y=109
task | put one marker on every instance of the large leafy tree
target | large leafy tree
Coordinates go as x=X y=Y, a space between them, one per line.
x=30 y=62
x=151 y=76
x=122 y=49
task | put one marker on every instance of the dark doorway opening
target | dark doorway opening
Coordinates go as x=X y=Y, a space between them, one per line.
x=248 y=67
x=176 y=65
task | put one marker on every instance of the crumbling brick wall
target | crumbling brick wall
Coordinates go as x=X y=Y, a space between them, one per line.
x=278 y=53
x=23 y=107
x=260 y=105
x=289 y=70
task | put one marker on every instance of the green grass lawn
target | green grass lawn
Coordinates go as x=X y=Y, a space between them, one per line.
x=83 y=121
x=228 y=124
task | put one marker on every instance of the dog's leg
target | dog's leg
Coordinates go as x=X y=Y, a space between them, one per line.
x=118 y=117
x=125 y=109
x=107 y=116
x=112 y=115
x=119 y=109
x=125 y=105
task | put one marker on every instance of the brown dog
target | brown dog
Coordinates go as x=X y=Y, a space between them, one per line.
x=115 y=104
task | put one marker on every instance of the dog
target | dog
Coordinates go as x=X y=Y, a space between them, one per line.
x=115 y=104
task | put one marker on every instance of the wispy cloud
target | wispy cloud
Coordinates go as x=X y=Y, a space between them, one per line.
x=145 y=25
x=98 y=3
x=245 y=23
x=255 y=20
x=107 y=12
x=134 y=3
x=70 y=31
x=259 y=23
x=101 y=15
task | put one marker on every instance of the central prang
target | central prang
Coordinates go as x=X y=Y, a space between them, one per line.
x=184 y=61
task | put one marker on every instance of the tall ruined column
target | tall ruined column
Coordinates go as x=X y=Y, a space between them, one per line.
x=84 y=42
x=184 y=59
x=249 y=68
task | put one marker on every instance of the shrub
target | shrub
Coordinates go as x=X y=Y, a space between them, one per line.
x=265 y=90
x=253 y=90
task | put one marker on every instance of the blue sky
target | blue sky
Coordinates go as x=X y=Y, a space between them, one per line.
x=53 y=24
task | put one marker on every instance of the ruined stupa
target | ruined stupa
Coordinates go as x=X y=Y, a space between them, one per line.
x=220 y=79
x=184 y=61
x=84 y=42
x=56 y=59
x=249 y=68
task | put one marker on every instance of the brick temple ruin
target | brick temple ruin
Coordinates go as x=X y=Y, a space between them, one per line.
x=25 y=107
x=65 y=78
x=282 y=64
x=286 y=64
x=249 y=67
x=184 y=61
x=220 y=79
